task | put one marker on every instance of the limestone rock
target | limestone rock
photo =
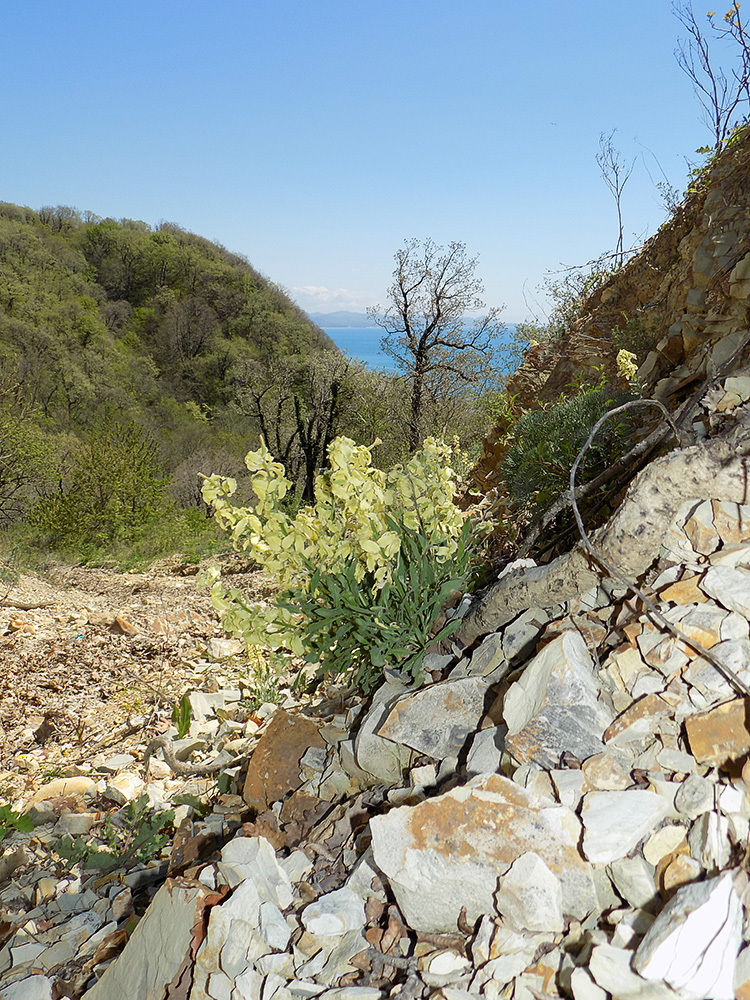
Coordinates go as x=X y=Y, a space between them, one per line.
x=486 y=751
x=554 y=708
x=693 y=943
x=253 y=859
x=730 y=587
x=439 y=719
x=31 y=988
x=449 y=851
x=124 y=787
x=614 y=822
x=530 y=897
x=385 y=760
x=634 y=880
x=335 y=913
x=610 y=966
x=158 y=945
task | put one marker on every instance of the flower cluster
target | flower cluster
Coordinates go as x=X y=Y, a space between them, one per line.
x=350 y=524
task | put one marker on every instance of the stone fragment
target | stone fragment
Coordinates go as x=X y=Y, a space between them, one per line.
x=629 y=664
x=570 y=784
x=158 y=945
x=681 y=870
x=583 y=986
x=720 y=736
x=274 y=930
x=640 y=719
x=700 y=529
x=730 y=587
x=694 y=796
x=554 y=707
x=124 y=787
x=529 y=896
x=219 y=649
x=64 y=787
x=612 y=971
x=732 y=521
x=487 y=657
x=686 y=591
x=614 y=822
x=384 y=760
x=335 y=913
x=520 y=636
x=437 y=720
x=663 y=842
x=449 y=851
x=634 y=880
x=31 y=988
x=709 y=841
x=253 y=859
x=693 y=943
x=486 y=751
x=123 y=626
x=273 y=769
x=117 y=762
x=74 y=824
x=742 y=975
x=605 y=773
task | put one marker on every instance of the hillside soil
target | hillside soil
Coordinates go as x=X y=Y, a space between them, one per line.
x=91 y=658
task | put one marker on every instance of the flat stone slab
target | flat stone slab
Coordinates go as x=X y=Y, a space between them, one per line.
x=439 y=719
x=450 y=851
x=615 y=821
x=720 y=736
x=273 y=770
x=554 y=707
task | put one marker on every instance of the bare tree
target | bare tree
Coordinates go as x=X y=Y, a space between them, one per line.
x=426 y=328
x=719 y=95
x=616 y=173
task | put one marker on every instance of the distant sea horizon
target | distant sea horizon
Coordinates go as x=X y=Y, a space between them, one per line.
x=363 y=343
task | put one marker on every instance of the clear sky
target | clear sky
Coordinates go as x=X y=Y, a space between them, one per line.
x=315 y=136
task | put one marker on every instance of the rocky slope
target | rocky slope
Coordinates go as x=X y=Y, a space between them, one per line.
x=563 y=810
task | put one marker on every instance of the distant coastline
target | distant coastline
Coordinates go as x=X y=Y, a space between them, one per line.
x=343 y=320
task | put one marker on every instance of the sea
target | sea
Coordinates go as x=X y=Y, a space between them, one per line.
x=364 y=343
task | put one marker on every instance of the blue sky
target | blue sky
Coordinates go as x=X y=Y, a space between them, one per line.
x=315 y=136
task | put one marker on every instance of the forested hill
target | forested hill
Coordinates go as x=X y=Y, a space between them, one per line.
x=141 y=338
x=97 y=311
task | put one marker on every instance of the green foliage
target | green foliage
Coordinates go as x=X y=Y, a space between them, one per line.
x=261 y=679
x=356 y=625
x=546 y=442
x=140 y=837
x=367 y=549
x=11 y=820
x=116 y=487
x=182 y=716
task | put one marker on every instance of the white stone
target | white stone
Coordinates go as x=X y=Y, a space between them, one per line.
x=124 y=787
x=383 y=759
x=693 y=943
x=254 y=858
x=663 y=842
x=709 y=842
x=486 y=751
x=448 y=851
x=730 y=587
x=694 y=796
x=614 y=822
x=554 y=706
x=584 y=987
x=273 y=927
x=32 y=988
x=335 y=913
x=530 y=896
x=634 y=880
x=296 y=865
x=611 y=970
x=437 y=720
x=156 y=948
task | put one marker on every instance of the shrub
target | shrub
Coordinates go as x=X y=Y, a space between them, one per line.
x=115 y=489
x=363 y=571
x=546 y=442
